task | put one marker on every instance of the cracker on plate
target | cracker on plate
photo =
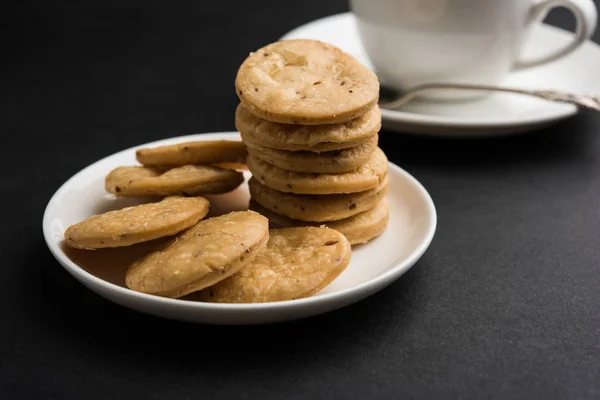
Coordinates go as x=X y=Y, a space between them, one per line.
x=296 y=263
x=193 y=153
x=304 y=81
x=188 y=180
x=365 y=177
x=205 y=254
x=137 y=224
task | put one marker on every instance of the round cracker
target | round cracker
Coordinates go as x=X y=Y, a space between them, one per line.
x=307 y=82
x=190 y=153
x=205 y=254
x=337 y=161
x=358 y=229
x=137 y=224
x=365 y=177
x=189 y=180
x=317 y=208
x=296 y=263
x=316 y=138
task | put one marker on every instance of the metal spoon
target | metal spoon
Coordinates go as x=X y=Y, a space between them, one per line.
x=588 y=102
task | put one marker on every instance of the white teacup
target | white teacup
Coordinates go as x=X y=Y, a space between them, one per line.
x=412 y=42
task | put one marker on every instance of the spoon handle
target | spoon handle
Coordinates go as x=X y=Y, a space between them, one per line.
x=580 y=100
x=583 y=101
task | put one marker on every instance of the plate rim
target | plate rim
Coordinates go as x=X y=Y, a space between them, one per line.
x=440 y=122
x=396 y=269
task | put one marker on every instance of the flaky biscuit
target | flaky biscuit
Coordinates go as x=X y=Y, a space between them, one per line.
x=358 y=229
x=365 y=177
x=193 y=153
x=315 y=138
x=304 y=81
x=137 y=224
x=317 y=208
x=336 y=161
x=205 y=254
x=189 y=180
x=296 y=263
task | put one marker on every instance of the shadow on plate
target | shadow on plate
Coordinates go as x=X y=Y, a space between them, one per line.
x=111 y=264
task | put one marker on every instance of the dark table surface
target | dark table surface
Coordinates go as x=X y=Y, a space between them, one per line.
x=504 y=304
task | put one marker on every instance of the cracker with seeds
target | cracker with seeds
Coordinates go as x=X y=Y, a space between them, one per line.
x=329 y=162
x=317 y=208
x=137 y=224
x=358 y=229
x=205 y=254
x=296 y=263
x=193 y=153
x=306 y=82
x=315 y=138
x=365 y=177
x=187 y=180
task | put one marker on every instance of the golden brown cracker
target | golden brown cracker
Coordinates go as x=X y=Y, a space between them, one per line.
x=329 y=162
x=296 y=263
x=137 y=224
x=317 y=208
x=307 y=82
x=205 y=254
x=193 y=153
x=189 y=180
x=365 y=177
x=358 y=229
x=315 y=138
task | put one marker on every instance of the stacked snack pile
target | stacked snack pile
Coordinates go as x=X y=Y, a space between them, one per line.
x=310 y=121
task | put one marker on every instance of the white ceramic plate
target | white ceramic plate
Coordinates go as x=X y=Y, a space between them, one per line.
x=373 y=267
x=497 y=114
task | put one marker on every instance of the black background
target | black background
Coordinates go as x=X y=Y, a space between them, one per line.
x=504 y=304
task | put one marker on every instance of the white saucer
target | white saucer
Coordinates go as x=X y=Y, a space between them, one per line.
x=497 y=114
x=373 y=266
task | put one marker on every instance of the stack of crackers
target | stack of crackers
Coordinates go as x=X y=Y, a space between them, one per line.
x=309 y=118
x=309 y=123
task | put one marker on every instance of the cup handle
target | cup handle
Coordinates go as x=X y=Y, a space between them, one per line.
x=586 y=17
